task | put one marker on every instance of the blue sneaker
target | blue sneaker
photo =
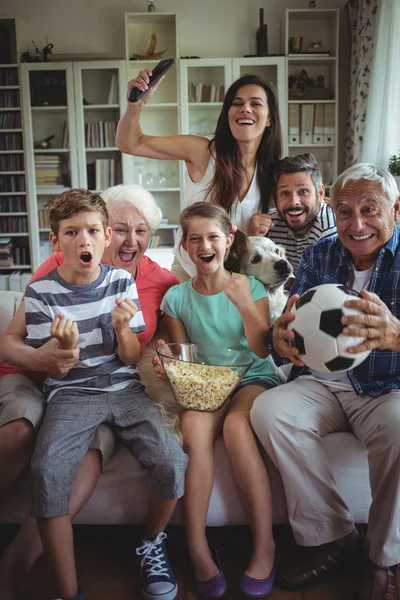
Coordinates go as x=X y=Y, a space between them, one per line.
x=159 y=582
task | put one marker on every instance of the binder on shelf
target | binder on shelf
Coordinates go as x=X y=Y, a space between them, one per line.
x=307 y=123
x=294 y=124
x=329 y=124
x=319 y=124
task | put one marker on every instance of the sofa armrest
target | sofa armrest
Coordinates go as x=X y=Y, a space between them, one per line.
x=9 y=302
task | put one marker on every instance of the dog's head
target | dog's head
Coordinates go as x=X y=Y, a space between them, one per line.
x=266 y=261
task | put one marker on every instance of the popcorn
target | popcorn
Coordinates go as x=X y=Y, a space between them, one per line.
x=200 y=387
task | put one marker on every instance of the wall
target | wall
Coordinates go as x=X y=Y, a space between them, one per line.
x=207 y=28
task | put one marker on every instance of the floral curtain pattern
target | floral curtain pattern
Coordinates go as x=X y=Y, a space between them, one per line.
x=363 y=18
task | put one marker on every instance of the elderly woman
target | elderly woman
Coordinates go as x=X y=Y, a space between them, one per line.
x=133 y=217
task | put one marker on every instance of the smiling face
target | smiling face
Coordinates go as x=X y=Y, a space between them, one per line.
x=297 y=201
x=249 y=114
x=130 y=237
x=365 y=220
x=206 y=245
x=82 y=239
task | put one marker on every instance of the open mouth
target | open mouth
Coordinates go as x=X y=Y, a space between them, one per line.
x=295 y=212
x=245 y=121
x=126 y=255
x=207 y=258
x=361 y=238
x=86 y=258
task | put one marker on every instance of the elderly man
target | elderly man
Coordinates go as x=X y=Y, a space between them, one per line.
x=291 y=420
x=302 y=216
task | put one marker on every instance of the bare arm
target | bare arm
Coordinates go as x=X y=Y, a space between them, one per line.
x=130 y=138
x=255 y=315
x=49 y=358
x=128 y=343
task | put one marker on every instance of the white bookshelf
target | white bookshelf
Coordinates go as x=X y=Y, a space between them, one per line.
x=318 y=107
x=88 y=99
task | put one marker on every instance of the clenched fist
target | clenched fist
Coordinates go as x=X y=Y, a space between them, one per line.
x=123 y=312
x=65 y=331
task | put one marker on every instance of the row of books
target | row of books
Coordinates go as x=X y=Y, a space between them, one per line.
x=12 y=162
x=9 y=98
x=21 y=255
x=49 y=169
x=9 y=77
x=13 y=224
x=12 y=183
x=15 y=282
x=10 y=120
x=100 y=134
x=154 y=241
x=104 y=173
x=312 y=123
x=10 y=141
x=202 y=92
x=43 y=218
x=13 y=204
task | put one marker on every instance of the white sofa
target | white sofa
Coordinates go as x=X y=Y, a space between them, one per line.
x=120 y=496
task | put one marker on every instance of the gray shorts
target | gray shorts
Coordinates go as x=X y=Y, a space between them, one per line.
x=71 y=419
x=21 y=398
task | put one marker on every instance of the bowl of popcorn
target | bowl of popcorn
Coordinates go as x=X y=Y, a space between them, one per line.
x=203 y=377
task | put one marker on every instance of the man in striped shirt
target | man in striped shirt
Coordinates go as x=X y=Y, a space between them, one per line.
x=302 y=217
x=95 y=307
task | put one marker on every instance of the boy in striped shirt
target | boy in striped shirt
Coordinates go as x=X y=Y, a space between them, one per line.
x=96 y=307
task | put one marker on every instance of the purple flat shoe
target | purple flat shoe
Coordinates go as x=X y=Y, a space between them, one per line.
x=216 y=586
x=256 y=588
x=211 y=588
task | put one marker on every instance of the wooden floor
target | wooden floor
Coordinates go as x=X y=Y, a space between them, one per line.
x=109 y=569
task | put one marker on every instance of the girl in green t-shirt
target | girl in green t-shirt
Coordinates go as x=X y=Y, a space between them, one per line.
x=221 y=308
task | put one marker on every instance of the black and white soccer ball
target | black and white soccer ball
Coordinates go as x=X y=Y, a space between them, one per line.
x=318 y=329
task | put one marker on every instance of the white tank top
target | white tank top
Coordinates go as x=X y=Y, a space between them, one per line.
x=241 y=212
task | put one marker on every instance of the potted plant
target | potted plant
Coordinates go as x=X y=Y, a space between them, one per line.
x=394 y=168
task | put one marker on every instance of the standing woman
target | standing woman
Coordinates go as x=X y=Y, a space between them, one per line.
x=234 y=169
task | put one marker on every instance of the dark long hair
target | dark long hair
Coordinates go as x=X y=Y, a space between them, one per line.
x=229 y=171
x=219 y=215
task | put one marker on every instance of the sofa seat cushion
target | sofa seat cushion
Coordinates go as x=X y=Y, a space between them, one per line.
x=121 y=494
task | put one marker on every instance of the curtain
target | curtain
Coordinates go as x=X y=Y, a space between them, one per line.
x=363 y=15
x=382 y=123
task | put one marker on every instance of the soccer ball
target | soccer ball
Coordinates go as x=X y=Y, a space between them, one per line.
x=318 y=329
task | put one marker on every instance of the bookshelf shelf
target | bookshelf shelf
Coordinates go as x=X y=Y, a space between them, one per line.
x=11 y=151
x=13 y=214
x=49 y=108
x=51 y=151
x=51 y=191
x=6 y=235
x=312 y=145
x=9 y=66
x=12 y=193
x=14 y=267
x=10 y=109
x=109 y=149
x=9 y=87
x=100 y=106
x=12 y=172
x=10 y=130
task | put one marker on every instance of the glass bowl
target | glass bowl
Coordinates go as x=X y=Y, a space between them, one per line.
x=203 y=377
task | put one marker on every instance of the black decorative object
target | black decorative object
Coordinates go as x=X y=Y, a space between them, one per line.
x=48 y=88
x=262 y=36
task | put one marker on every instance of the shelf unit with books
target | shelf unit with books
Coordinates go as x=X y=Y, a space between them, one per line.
x=313 y=85
x=52 y=167
x=161 y=115
x=99 y=94
x=14 y=225
x=80 y=108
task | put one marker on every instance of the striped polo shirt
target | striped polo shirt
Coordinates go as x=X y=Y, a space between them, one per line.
x=323 y=227
x=99 y=366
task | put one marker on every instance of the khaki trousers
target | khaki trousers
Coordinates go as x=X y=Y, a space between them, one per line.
x=291 y=420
